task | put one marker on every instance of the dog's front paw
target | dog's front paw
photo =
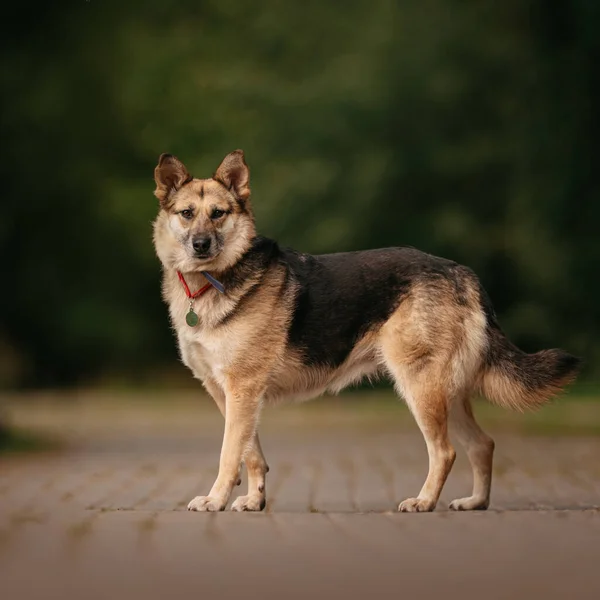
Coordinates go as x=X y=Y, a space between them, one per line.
x=470 y=503
x=252 y=502
x=416 y=505
x=207 y=503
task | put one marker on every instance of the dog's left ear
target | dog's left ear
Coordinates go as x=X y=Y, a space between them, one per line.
x=170 y=174
x=234 y=174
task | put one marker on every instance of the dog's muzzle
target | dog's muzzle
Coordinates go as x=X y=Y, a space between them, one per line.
x=202 y=246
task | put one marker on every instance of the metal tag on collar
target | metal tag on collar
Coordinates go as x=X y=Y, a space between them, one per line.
x=191 y=318
x=216 y=284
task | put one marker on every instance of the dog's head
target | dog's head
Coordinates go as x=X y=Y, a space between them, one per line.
x=203 y=224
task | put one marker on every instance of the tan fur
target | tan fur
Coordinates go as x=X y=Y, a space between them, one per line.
x=509 y=394
x=435 y=359
x=432 y=346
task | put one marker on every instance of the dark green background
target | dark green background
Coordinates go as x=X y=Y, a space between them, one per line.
x=466 y=128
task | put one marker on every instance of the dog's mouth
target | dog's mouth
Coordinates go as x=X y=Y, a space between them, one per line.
x=205 y=256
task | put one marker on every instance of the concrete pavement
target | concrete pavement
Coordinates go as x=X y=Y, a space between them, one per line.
x=107 y=518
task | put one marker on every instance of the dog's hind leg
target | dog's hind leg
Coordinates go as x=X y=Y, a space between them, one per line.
x=254 y=460
x=419 y=368
x=422 y=389
x=430 y=409
x=480 y=450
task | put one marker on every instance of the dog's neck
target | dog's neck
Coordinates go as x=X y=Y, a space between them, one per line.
x=235 y=276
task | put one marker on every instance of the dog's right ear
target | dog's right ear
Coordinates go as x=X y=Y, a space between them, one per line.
x=170 y=174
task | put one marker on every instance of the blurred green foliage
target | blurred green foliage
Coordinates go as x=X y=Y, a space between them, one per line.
x=466 y=128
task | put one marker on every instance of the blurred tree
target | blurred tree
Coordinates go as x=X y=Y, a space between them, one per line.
x=467 y=129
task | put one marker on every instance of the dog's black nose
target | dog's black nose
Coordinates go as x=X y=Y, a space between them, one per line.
x=201 y=244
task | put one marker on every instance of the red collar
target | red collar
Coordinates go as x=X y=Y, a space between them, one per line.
x=189 y=294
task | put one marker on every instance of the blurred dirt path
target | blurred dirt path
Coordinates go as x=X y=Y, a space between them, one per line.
x=107 y=518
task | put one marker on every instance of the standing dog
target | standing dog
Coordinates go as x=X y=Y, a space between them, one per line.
x=277 y=324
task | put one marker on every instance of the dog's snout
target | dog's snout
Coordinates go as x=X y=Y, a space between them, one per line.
x=201 y=244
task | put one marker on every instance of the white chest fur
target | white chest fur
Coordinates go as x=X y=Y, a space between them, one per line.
x=207 y=348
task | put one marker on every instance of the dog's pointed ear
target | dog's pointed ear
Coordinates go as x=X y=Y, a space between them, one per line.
x=234 y=174
x=170 y=174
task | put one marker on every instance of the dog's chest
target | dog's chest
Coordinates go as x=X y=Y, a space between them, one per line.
x=204 y=349
x=206 y=355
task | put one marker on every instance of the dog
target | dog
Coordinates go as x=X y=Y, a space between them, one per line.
x=258 y=324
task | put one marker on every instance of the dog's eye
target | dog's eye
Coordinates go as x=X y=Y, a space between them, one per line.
x=187 y=214
x=217 y=213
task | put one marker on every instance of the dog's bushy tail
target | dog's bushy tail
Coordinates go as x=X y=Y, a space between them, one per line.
x=520 y=381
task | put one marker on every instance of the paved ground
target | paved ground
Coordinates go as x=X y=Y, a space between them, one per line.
x=107 y=518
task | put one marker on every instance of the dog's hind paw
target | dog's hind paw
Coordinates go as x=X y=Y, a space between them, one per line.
x=253 y=502
x=207 y=503
x=416 y=505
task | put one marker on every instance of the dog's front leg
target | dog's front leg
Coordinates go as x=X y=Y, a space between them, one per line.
x=254 y=460
x=257 y=467
x=241 y=418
